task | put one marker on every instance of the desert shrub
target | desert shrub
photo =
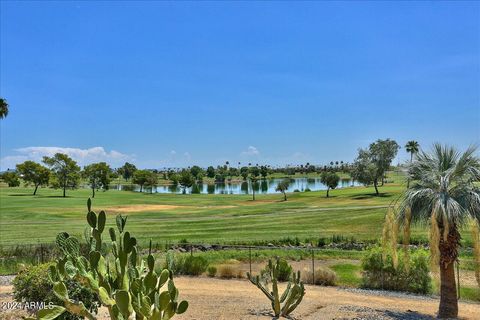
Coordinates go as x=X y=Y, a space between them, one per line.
x=324 y=276
x=212 y=271
x=284 y=270
x=191 y=265
x=227 y=271
x=33 y=284
x=380 y=273
x=240 y=274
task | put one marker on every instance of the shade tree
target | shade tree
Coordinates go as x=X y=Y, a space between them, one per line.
x=98 y=176
x=65 y=172
x=11 y=178
x=127 y=170
x=185 y=180
x=33 y=173
x=283 y=187
x=330 y=179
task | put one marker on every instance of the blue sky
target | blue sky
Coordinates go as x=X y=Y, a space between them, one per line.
x=174 y=84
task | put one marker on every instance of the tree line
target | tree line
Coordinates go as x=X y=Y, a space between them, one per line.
x=62 y=172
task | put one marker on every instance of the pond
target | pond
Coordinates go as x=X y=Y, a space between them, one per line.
x=266 y=186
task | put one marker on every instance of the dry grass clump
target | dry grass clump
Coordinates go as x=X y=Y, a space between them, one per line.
x=229 y=271
x=323 y=276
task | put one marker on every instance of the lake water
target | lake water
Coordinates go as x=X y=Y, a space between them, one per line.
x=266 y=186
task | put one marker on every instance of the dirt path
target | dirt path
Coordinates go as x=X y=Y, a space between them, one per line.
x=238 y=299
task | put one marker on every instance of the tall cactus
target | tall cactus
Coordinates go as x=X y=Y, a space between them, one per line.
x=129 y=289
x=284 y=304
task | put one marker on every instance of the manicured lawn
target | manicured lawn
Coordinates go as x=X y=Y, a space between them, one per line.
x=351 y=212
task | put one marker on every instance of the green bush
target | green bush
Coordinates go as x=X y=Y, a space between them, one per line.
x=212 y=271
x=191 y=265
x=380 y=274
x=284 y=270
x=32 y=284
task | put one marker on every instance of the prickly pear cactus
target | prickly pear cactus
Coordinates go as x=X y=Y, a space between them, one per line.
x=284 y=304
x=127 y=285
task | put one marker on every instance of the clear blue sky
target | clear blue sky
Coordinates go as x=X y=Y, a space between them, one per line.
x=173 y=84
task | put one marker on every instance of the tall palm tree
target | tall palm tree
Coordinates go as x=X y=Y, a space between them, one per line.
x=3 y=108
x=412 y=147
x=446 y=194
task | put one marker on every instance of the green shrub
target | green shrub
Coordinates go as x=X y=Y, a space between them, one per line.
x=212 y=271
x=191 y=265
x=284 y=270
x=380 y=274
x=323 y=276
x=32 y=284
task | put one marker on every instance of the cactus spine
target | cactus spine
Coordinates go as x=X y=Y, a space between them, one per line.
x=132 y=291
x=284 y=304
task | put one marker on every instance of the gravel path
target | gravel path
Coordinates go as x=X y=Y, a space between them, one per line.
x=239 y=299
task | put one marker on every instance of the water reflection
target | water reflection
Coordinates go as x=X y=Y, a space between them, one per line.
x=264 y=186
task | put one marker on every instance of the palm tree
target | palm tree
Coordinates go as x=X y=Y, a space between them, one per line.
x=445 y=193
x=3 y=108
x=412 y=147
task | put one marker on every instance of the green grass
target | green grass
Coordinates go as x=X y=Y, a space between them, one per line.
x=357 y=212
x=469 y=293
x=347 y=274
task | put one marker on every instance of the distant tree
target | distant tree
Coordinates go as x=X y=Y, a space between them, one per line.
x=3 y=108
x=283 y=187
x=264 y=171
x=33 y=173
x=330 y=179
x=412 y=147
x=173 y=176
x=196 y=171
x=66 y=172
x=185 y=180
x=151 y=181
x=364 y=170
x=233 y=172
x=98 y=176
x=383 y=152
x=11 y=178
x=127 y=170
x=254 y=173
x=141 y=177
x=211 y=172
x=372 y=164
x=244 y=172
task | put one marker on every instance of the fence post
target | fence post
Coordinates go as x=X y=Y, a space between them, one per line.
x=313 y=267
x=250 y=258
x=41 y=252
x=191 y=250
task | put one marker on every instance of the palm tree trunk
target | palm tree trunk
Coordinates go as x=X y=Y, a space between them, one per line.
x=448 y=293
x=448 y=290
